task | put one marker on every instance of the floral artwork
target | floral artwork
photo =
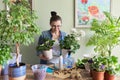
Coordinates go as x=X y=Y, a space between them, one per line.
x=86 y=10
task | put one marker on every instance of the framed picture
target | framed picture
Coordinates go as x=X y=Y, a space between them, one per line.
x=86 y=10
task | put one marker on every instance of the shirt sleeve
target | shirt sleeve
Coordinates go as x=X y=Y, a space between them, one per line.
x=40 y=41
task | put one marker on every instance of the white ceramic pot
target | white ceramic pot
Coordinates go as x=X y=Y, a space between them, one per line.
x=48 y=54
x=64 y=53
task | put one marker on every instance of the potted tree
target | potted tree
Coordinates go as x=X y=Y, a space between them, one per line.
x=46 y=47
x=106 y=35
x=18 y=27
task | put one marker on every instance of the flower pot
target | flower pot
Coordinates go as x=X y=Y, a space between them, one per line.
x=87 y=66
x=97 y=75
x=48 y=54
x=0 y=69
x=108 y=76
x=5 y=70
x=17 y=73
x=91 y=72
x=64 y=53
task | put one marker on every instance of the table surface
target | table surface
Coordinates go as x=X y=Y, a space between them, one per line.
x=85 y=76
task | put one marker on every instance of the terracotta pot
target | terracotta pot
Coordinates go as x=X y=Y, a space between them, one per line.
x=0 y=69
x=108 y=76
x=91 y=72
x=48 y=54
x=97 y=75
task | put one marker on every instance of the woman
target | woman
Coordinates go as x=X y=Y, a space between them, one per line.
x=54 y=34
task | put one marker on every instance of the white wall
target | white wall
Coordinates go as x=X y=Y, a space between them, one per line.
x=65 y=8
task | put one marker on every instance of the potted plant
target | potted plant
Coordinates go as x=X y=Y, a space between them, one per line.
x=112 y=68
x=18 y=27
x=46 y=47
x=71 y=41
x=106 y=34
x=98 y=67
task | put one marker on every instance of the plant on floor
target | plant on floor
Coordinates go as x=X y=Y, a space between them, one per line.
x=17 y=24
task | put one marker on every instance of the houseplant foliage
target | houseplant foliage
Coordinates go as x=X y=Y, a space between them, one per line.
x=106 y=34
x=46 y=45
x=4 y=54
x=71 y=41
x=17 y=24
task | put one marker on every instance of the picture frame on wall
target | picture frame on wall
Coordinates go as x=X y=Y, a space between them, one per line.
x=86 y=10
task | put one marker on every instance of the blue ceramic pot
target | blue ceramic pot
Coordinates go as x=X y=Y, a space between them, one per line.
x=15 y=71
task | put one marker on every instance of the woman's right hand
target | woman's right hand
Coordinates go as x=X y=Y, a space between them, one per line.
x=43 y=57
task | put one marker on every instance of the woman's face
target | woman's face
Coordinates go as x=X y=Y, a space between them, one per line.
x=55 y=25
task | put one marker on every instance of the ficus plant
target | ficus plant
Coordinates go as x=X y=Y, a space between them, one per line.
x=18 y=24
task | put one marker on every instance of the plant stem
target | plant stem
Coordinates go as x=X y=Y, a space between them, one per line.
x=17 y=53
x=109 y=51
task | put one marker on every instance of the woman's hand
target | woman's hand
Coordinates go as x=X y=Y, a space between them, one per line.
x=43 y=57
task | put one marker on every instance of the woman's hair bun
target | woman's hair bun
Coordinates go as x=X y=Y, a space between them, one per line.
x=53 y=13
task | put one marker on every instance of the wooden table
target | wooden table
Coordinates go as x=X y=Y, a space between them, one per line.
x=85 y=76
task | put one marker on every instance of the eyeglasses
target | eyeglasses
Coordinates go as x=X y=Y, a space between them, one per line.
x=56 y=25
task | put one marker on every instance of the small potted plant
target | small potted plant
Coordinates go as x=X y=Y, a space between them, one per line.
x=71 y=41
x=81 y=63
x=98 y=67
x=4 y=55
x=46 y=47
x=112 y=68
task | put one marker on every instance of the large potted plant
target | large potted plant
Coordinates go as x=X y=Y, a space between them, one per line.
x=46 y=48
x=18 y=27
x=106 y=35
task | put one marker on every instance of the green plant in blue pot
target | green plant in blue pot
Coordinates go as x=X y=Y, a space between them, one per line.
x=18 y=27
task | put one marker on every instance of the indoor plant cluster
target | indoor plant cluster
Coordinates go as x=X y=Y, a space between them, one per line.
x=106 y=36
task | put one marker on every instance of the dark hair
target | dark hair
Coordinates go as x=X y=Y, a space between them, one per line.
x=54 y=17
